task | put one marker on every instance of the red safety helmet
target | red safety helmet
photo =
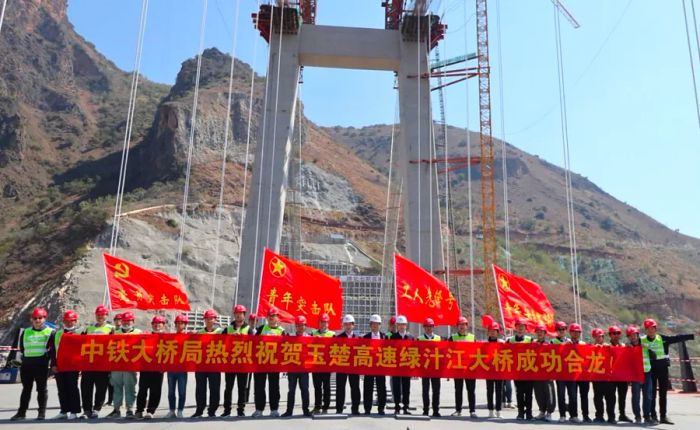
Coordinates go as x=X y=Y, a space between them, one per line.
x=128 y=316
x=39 y=313
x=462 y=320
x=182 y=318
x=273 y=312
x=210 y=313
x=649 y=323
x=613 y=329
x=428 y=322
x=118 y=317
x=70 y=316
x=301 y=319
x=597 y=332
x=633 y=329
x=252 y=317
x=560 y=325
x=324 y=317
x=495 y=326
x=541 y=327
x=520 y=321
x=101 y=310
x=392 y=320
x=239 y=309
x=575 y=327
x=158 y=319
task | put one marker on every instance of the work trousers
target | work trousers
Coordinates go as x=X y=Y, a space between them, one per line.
x=582 y=387
x=202 y=379
x=340 y=382
x=274 y=387
x=494 y=389
x=150 y=388
x=562 y=388
x=656 y=378
x=368 y=389
x=31 y=375
x=301 y=379
x=621 y=389
x=523 y=395
x=68 y=392
x=231 y=380
x=124 y=384
x=471 y=395
x=427 y=384
x=401 y=385
x=544 y=394
x=637 y=388
x=322 y=390
x=604 y=399
x=94 y=382
x=177 y=380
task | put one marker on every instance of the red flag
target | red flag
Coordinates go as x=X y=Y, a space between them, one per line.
x=132 y=286
x=420 y=295
x=296 y=289
x=522 y=298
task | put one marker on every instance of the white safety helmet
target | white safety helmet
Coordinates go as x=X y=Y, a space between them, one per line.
x=375 y=319
x=401 y=320
x=348 y=319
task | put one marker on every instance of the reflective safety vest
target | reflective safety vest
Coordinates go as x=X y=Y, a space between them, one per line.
x=469 y=337
x=59 y=334
x=326 y=333
x=103 y=329
x=656 y=345
x=526 y=339
x=435 y=337
x=557 y=341
x=35 y=341
x=240 y=330
x=134 y=331
x=204 y=331
x=269 y=331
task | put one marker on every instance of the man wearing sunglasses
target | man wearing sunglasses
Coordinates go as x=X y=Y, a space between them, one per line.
x=34 y=346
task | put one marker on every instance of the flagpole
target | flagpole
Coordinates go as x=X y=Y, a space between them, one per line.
x=257 y=308
x=498 y=295
x=396 y=297
x=105 y=298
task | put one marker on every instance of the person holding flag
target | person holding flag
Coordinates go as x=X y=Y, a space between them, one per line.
x=150 y=383
x=375 y=323
x=544 y=390
x=66 y=382
x=124 y=383
x=271 y=328
x=34 y=346
x=428 y=326
x=322 y=380
x=178 y=380
x=561 y=339
x=401 y=385
x=95 y=381
x=494 y=388
x=523 y=389
x=238 y=327
x=582 y=386
x=301 y=378
x=202 y=379
x=463 y=335
x=341 y=378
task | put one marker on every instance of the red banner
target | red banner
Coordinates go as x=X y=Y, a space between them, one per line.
x=296 y=289
x=132 y=286
x=477 y=360
x=522 y=298
x=420 y=295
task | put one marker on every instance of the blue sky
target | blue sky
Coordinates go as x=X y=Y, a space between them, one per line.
x=632 y=122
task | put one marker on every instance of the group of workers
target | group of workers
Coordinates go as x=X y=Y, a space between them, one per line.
x=39 y=344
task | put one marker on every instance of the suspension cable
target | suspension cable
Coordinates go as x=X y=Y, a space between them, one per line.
x=506 y=211
x=114 y=239
x=245 y=165
x=690 y=53
x=224 y=156
x=567 y=169
x=418 y=143
x=388 y=254
x=190 y=149
x=2 y=14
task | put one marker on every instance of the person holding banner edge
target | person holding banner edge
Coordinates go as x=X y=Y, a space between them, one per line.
x=238 y=327
x=463 y=336
x=375 y=322
x=523 y=389
x=428 y=383
x=342 y=378
x=271 y=328
x=322 y=380
x=202 y=379
x=401 y=385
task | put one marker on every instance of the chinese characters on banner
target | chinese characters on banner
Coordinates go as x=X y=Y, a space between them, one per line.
x=132 y=286
x=420 y=295
x=522 y=298
x=477 y=360
x=296 y=289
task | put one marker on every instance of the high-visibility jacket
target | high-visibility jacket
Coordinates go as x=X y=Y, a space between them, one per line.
x=217 y=330
x=103 y=329
x=326 y=333
x=244 y=329
x=657 y=346
x=456 y=337
x=34 y=342
x=266 y=330
x=435 y=337
x=525 y=339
